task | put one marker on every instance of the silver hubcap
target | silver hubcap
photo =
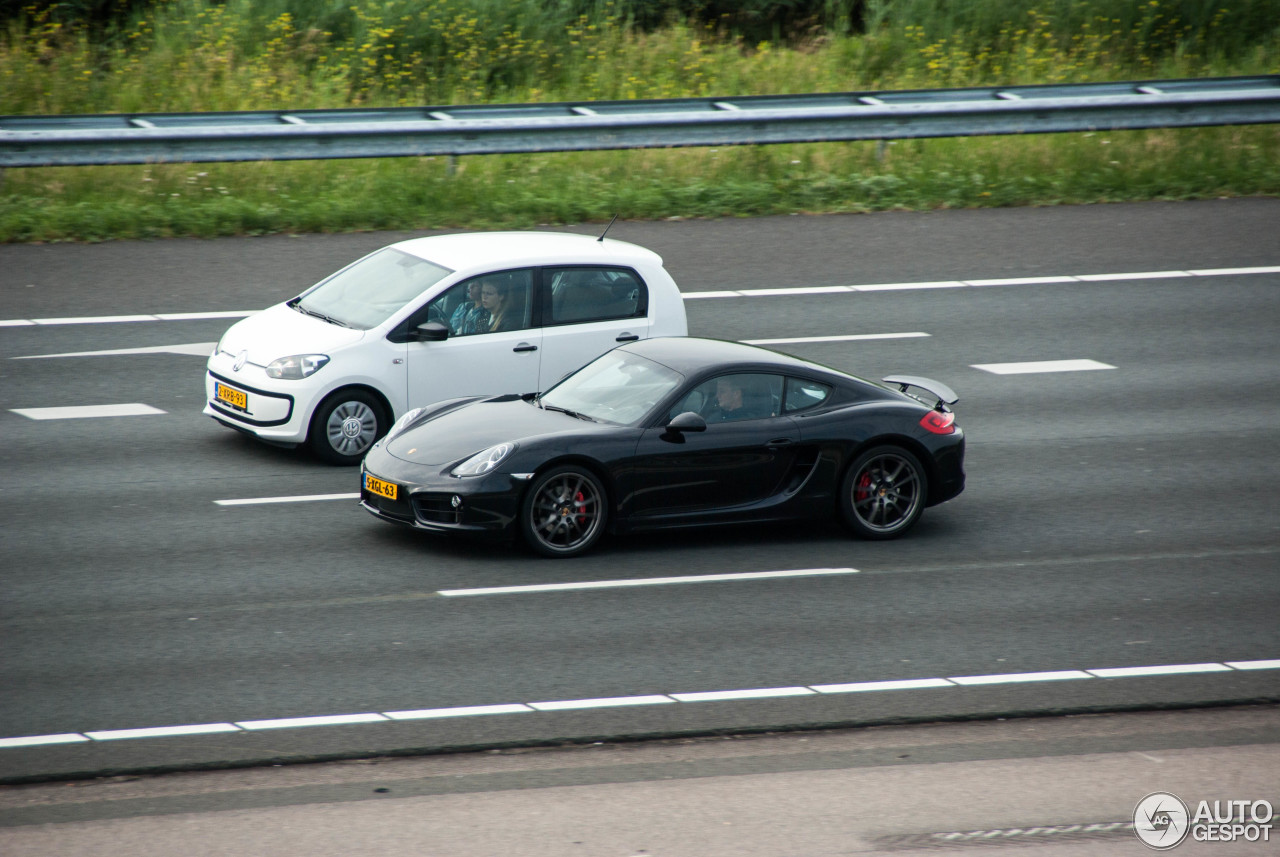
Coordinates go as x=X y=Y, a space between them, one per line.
x=352 y=428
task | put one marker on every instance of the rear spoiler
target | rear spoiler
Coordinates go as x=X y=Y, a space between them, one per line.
x=943 y=393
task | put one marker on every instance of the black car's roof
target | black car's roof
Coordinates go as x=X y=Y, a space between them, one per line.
x=690 y=355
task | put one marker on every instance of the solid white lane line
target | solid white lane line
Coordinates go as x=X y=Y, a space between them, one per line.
x=43 y=740
x=193 y=349
x=724 y=293
x=1037 y=366
x=642 y=581
x=460 y=711
x=308 y=498
x=205 y=316
x=753 y=693
x=164 y=731
x=899 y=287
x=734 y=293
x=651 y=699
x=1142 y=275
x=605 y=702
x=867 y=686
x=328 y=720
x=1168 y=669
x=1234 y=272
x=1253 y=665
x=852 y=337
x=102 y=319
x=1021 y=281
x=1015 y=678
x=798 y=290
x=132 y=409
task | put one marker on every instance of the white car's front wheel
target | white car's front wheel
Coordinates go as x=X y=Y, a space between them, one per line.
x=345 y=425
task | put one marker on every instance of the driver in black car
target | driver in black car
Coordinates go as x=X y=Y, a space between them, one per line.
x=737 y=399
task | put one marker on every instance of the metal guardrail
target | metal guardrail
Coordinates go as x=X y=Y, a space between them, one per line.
x=36 y=141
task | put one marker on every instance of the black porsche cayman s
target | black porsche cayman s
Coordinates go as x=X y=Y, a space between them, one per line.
x=672 y=432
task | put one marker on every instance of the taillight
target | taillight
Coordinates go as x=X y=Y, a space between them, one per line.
x=939 y=422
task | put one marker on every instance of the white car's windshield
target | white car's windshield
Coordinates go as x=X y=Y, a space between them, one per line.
x=616 y=388
x=367 y=293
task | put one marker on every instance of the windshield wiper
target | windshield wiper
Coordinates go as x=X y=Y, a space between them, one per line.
x=547 y=407
x=300 y=308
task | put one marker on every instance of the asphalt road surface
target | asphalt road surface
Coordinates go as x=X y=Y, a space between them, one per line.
x=1116 y=548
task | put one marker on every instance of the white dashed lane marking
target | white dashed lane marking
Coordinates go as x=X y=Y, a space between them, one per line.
x=307 y=498
x=131 y=409
x=645 y=581
x=193 y=349
x=852 y=337
x=551 y=706
x=1036 y=366
x=118 y=319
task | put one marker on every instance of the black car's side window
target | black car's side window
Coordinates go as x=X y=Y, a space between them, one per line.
x=729 y=398
x=581 y=294
x=801 y=395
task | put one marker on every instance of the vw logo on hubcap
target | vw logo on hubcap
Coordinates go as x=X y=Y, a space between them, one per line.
x=351 y=427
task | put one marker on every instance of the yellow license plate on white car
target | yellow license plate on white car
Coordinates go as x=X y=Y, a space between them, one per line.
x=382 y=489
x=237 y=399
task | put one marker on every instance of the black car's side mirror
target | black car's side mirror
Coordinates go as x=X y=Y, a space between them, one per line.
x=688 y=421
x=431 y=331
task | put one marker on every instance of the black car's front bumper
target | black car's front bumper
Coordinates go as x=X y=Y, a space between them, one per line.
x=443 y=504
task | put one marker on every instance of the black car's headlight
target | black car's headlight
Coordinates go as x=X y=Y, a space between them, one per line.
x=484 y=462
x=296 y=367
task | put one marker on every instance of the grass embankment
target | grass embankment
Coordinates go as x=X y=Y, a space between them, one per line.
x=198 y=55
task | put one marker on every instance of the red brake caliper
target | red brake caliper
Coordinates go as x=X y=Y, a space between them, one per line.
x=864 y=488
x=580 y=498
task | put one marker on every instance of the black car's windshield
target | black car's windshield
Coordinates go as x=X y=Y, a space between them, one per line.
x=368 y=292
x=617 y=388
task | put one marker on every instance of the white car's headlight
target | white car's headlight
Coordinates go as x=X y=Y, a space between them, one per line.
x=483 y=462
x=297 y=367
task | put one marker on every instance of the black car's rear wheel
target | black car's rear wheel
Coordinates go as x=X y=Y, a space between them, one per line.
x=884 y=493
x=564 y=511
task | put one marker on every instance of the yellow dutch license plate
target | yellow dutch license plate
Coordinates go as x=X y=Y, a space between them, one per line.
x=377 y=486
x=234 y=398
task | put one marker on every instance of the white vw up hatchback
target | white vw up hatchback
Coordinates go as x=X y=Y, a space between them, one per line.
x=431 y=319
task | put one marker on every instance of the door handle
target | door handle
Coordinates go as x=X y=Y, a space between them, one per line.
x=627 y=337
x=779 y=442
x=524 y=346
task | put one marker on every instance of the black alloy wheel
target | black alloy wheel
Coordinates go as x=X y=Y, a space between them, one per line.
x=346 y=425
x=564 y=512
x=884 y=493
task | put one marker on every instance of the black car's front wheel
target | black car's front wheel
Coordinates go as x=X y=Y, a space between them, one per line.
x=564 y=511
x=884 y=493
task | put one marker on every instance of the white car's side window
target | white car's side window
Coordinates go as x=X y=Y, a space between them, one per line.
x=485 y=304
x=581 y=294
